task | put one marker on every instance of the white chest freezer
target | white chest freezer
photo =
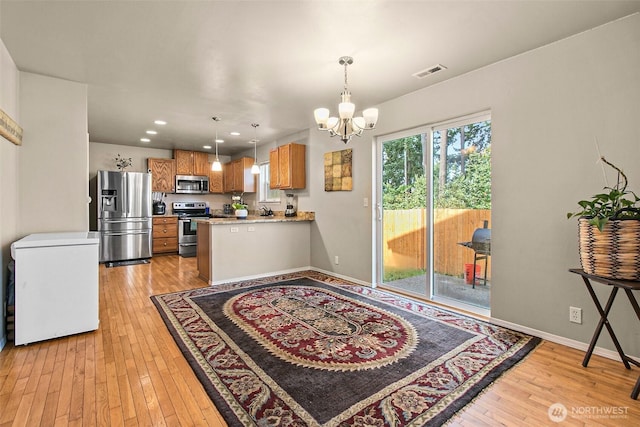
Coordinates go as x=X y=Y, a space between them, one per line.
x=56 y=286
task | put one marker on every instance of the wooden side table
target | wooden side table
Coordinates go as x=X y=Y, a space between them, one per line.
x=629 y=287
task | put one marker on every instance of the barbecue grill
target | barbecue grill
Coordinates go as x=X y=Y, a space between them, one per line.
x=481 y=245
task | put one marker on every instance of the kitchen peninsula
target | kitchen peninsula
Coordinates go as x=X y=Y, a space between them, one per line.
x=232 y=249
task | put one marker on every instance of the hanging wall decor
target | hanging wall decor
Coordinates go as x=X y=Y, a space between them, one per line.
x=337 y=170
x=10 y=129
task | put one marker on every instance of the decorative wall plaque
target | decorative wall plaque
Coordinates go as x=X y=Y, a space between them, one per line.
x=337 y=170
x=10 y=129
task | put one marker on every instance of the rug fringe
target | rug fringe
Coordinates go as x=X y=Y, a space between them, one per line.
x=459 y=412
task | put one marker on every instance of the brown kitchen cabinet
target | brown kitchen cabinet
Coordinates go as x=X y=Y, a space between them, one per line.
x=163 y=175
x=191 y=162
x=165 y=235
x=203 y=252
x=216 y=181
x=287 y=167
x=237 y=176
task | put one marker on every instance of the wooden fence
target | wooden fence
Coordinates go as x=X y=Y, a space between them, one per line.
x=405 y=239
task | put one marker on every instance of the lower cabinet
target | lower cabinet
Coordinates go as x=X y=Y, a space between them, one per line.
x=165 y=235
x=204 y=252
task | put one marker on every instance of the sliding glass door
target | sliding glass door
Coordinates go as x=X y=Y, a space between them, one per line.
x=402 y=211
x=434 y=212
x=461 y=214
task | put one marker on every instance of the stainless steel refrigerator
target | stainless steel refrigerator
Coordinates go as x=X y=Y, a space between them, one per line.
x=124 y=215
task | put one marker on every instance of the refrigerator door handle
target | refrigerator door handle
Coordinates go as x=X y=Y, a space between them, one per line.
x=114 y=221
x=125 y=188
x=126 y=233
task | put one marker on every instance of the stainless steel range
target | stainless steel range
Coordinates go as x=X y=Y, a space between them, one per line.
x=187 y=213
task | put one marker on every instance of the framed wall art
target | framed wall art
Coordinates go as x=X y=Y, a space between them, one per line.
x=10 y=129
x=337 y=170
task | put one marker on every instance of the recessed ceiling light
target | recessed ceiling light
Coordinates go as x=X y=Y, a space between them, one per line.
x=235 y=133
x=145 y=140
x=160 y=122
x=152 y=132
x=219 y=141
x=206 y=147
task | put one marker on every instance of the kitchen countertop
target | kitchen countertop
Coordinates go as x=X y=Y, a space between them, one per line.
x=301 y=216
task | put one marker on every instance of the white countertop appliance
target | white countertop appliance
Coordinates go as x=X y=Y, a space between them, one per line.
x=124 y=215
x=56 y=285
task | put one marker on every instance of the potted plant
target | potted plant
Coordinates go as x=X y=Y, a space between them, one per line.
x=122 y=162
x=609 y=231
x=240 y=210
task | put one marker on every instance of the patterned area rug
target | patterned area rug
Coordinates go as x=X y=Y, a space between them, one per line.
x=307 y=349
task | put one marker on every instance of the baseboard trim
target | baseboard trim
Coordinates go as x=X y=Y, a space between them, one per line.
x=291 y=270
x=578 y=345
x=341 y=276
x=3 y=342
x=259 y=276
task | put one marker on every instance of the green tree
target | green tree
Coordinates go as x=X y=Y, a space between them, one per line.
x=404 y=196
x=466 y=164
x=459 y=140
x=471 y=190
x=403 y=160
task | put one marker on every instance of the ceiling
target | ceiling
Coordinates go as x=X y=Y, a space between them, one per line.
x=266 y=62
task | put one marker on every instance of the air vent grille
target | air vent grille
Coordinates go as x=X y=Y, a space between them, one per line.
x=426 y=72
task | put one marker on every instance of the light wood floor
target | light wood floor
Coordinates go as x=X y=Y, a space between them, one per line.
x=130 y=372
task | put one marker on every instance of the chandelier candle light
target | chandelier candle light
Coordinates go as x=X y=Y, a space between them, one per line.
x=216 y=165
x=346 y=125
x=255 y=169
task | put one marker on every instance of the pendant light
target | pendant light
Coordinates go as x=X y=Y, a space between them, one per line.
x=216 y=166
x=255 y=169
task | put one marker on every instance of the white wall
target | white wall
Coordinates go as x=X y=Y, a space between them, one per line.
x=548 y=106
x=52 y=175
x=343 y=224
x=8 y=172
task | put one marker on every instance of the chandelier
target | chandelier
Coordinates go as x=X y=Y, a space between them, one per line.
x=346 y=125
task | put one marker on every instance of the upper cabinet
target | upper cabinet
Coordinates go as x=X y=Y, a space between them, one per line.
x=191 y=162
x=163 y=175
x=287 y=167
x=216 y=181
x=238 y=177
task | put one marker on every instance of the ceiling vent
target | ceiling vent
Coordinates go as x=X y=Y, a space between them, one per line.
x=433 y=69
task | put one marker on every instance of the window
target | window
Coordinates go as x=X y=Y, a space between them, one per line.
x=266 y=194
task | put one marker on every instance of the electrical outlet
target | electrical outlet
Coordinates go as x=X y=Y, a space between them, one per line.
x=575 y=315
x=336 y=260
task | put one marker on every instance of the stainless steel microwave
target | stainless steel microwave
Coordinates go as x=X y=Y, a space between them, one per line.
x=189 y=184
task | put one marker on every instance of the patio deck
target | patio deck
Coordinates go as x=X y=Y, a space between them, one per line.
x=446 y=286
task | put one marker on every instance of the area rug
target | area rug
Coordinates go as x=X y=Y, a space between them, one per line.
x=308 y=349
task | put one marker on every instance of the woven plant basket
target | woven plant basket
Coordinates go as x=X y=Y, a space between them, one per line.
x=614 y=252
